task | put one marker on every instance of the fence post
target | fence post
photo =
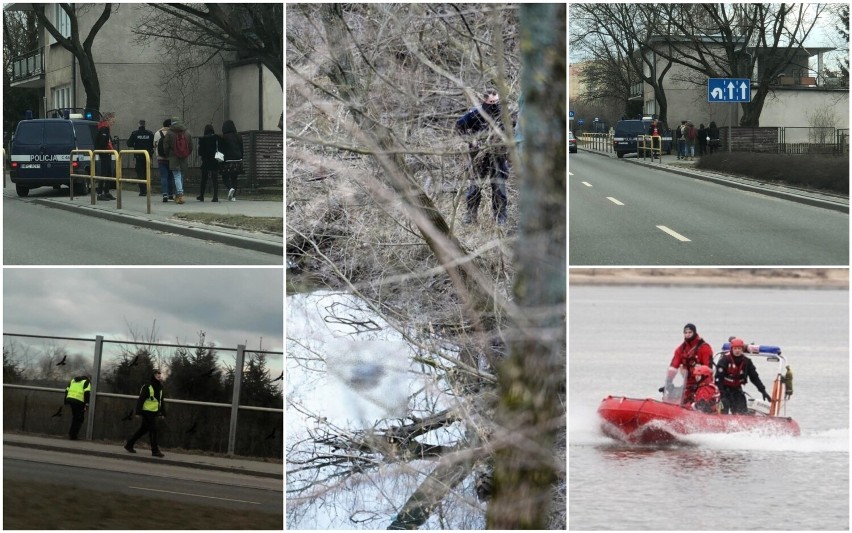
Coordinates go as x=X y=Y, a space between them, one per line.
x=235 y=397
x=93 y=396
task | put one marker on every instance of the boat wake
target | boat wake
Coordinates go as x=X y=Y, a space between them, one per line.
x=832 y=440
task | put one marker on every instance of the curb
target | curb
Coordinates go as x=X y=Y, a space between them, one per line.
x=137 y=457
x=756 y=187
x=238 y=241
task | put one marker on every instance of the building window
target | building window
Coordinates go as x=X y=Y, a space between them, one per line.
x=62 y=97
x=61 y=21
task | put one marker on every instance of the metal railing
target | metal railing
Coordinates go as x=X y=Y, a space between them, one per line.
x=645 y=144
x=118 y=179
x=28 y=65
x=92 y=414
x=595 y=141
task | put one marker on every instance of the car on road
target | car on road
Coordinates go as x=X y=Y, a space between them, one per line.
x=626 y=132
x=572 y=143
x=40 y=149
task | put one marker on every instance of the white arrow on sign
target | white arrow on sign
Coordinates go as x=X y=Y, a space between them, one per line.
x=717 y=93
x=743 y=88
x=730 y=90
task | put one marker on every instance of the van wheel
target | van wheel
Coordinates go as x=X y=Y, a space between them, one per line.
x=22 y=191
x=620 y=154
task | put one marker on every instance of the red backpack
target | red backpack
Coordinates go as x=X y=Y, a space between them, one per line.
x=181 y=145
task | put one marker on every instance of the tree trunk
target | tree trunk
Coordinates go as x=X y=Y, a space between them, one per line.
x=532 y=379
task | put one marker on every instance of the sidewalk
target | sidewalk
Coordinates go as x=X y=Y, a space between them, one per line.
x=134 y=207
x=182 y=458
x=670 y=163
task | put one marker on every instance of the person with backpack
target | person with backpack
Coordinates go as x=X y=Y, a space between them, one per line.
x=232 y=148
x=691 y=135
x=178 y=147
x=141 y=139
x=167 y=178
x=208 y=145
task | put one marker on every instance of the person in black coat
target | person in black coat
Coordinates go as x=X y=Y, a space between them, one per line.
x=103 y=141
x=232 y=148
x=702 y=140
x=488 y=158
x=713 y=133
x=208 y=145
x=149 y=405
x=141 y=139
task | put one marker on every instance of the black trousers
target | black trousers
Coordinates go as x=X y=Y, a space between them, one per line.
x=78 y=412
x=493 y=169
x=149 y=426
x=733 y=401
x=209 y=171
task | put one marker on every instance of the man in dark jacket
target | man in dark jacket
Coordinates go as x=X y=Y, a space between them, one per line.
x=141 y=139
x=732 y=372
x=149 y=405
x=77 y=398
x=488 y=158
x=103 y=141
x=232 y=148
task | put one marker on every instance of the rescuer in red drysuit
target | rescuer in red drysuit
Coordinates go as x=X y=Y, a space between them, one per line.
x=691 y=353
x=706 y=392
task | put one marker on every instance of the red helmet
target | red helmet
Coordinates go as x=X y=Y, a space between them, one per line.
x=736 y=341
x=702 y=370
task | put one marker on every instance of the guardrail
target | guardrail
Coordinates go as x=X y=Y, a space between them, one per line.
x=596 y=141
x=118 y=179
x=645 y=145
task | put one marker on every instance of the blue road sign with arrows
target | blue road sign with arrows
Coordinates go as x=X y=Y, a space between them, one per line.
x=728 y=90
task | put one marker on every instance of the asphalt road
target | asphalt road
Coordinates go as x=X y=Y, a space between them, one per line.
x=625 y=214
x=149 y=479
x=38 y=235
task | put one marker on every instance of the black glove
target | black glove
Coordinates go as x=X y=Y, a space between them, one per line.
x=765 y=396
x=662 y=389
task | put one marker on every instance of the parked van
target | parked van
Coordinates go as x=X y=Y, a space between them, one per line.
x=626 y=131
x=40 y=150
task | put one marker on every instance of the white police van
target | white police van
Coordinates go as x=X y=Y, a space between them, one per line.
x=40 y=149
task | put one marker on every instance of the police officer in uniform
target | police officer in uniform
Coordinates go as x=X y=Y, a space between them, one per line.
x=141 y=139
x=149 y=406
x=77 y=398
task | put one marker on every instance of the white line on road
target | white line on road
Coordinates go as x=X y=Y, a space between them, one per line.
x=586 y=183
x=196 y=495
x=674 y=234
x=613 y=200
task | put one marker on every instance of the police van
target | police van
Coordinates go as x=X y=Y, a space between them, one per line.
x=40 y=149
x=626 y=131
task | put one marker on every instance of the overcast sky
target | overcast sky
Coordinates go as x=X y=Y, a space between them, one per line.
x=233 y=306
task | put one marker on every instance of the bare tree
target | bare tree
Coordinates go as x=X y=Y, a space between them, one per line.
x=373 y=93
x=82 y=50
x=20 y=36
x=254 y=30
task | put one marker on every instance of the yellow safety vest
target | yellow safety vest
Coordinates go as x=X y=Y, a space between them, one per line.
x=152 y=403
x=77 y=389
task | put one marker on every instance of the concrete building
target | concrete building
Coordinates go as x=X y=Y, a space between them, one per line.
x=138 y=81
x=799 y=91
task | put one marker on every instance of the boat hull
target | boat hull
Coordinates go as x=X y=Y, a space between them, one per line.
x=647 y=421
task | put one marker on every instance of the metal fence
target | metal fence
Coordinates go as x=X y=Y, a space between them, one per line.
x=595 y=141
x=235 y=428
x=813 y=140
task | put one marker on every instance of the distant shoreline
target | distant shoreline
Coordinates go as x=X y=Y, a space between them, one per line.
x=788 y=278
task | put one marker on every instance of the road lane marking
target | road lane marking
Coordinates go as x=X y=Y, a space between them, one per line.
x=674 y=234
x=613 y=200
x=196 y=495
x=586 y=183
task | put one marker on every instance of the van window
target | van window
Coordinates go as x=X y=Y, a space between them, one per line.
x=629 y=127
x=29 y=133
x=86 y=135
x=58 y=133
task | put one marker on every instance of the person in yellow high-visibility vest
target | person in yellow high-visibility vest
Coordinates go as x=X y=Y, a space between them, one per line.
x=149 y=406
x=77 y=398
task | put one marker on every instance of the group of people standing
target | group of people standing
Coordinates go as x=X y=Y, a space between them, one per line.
x=688 y=137
x=172 y=146
x=220 y=154
x=702 y=390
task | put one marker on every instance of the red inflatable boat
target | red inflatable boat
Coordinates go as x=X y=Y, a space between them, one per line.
x=649 y=421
